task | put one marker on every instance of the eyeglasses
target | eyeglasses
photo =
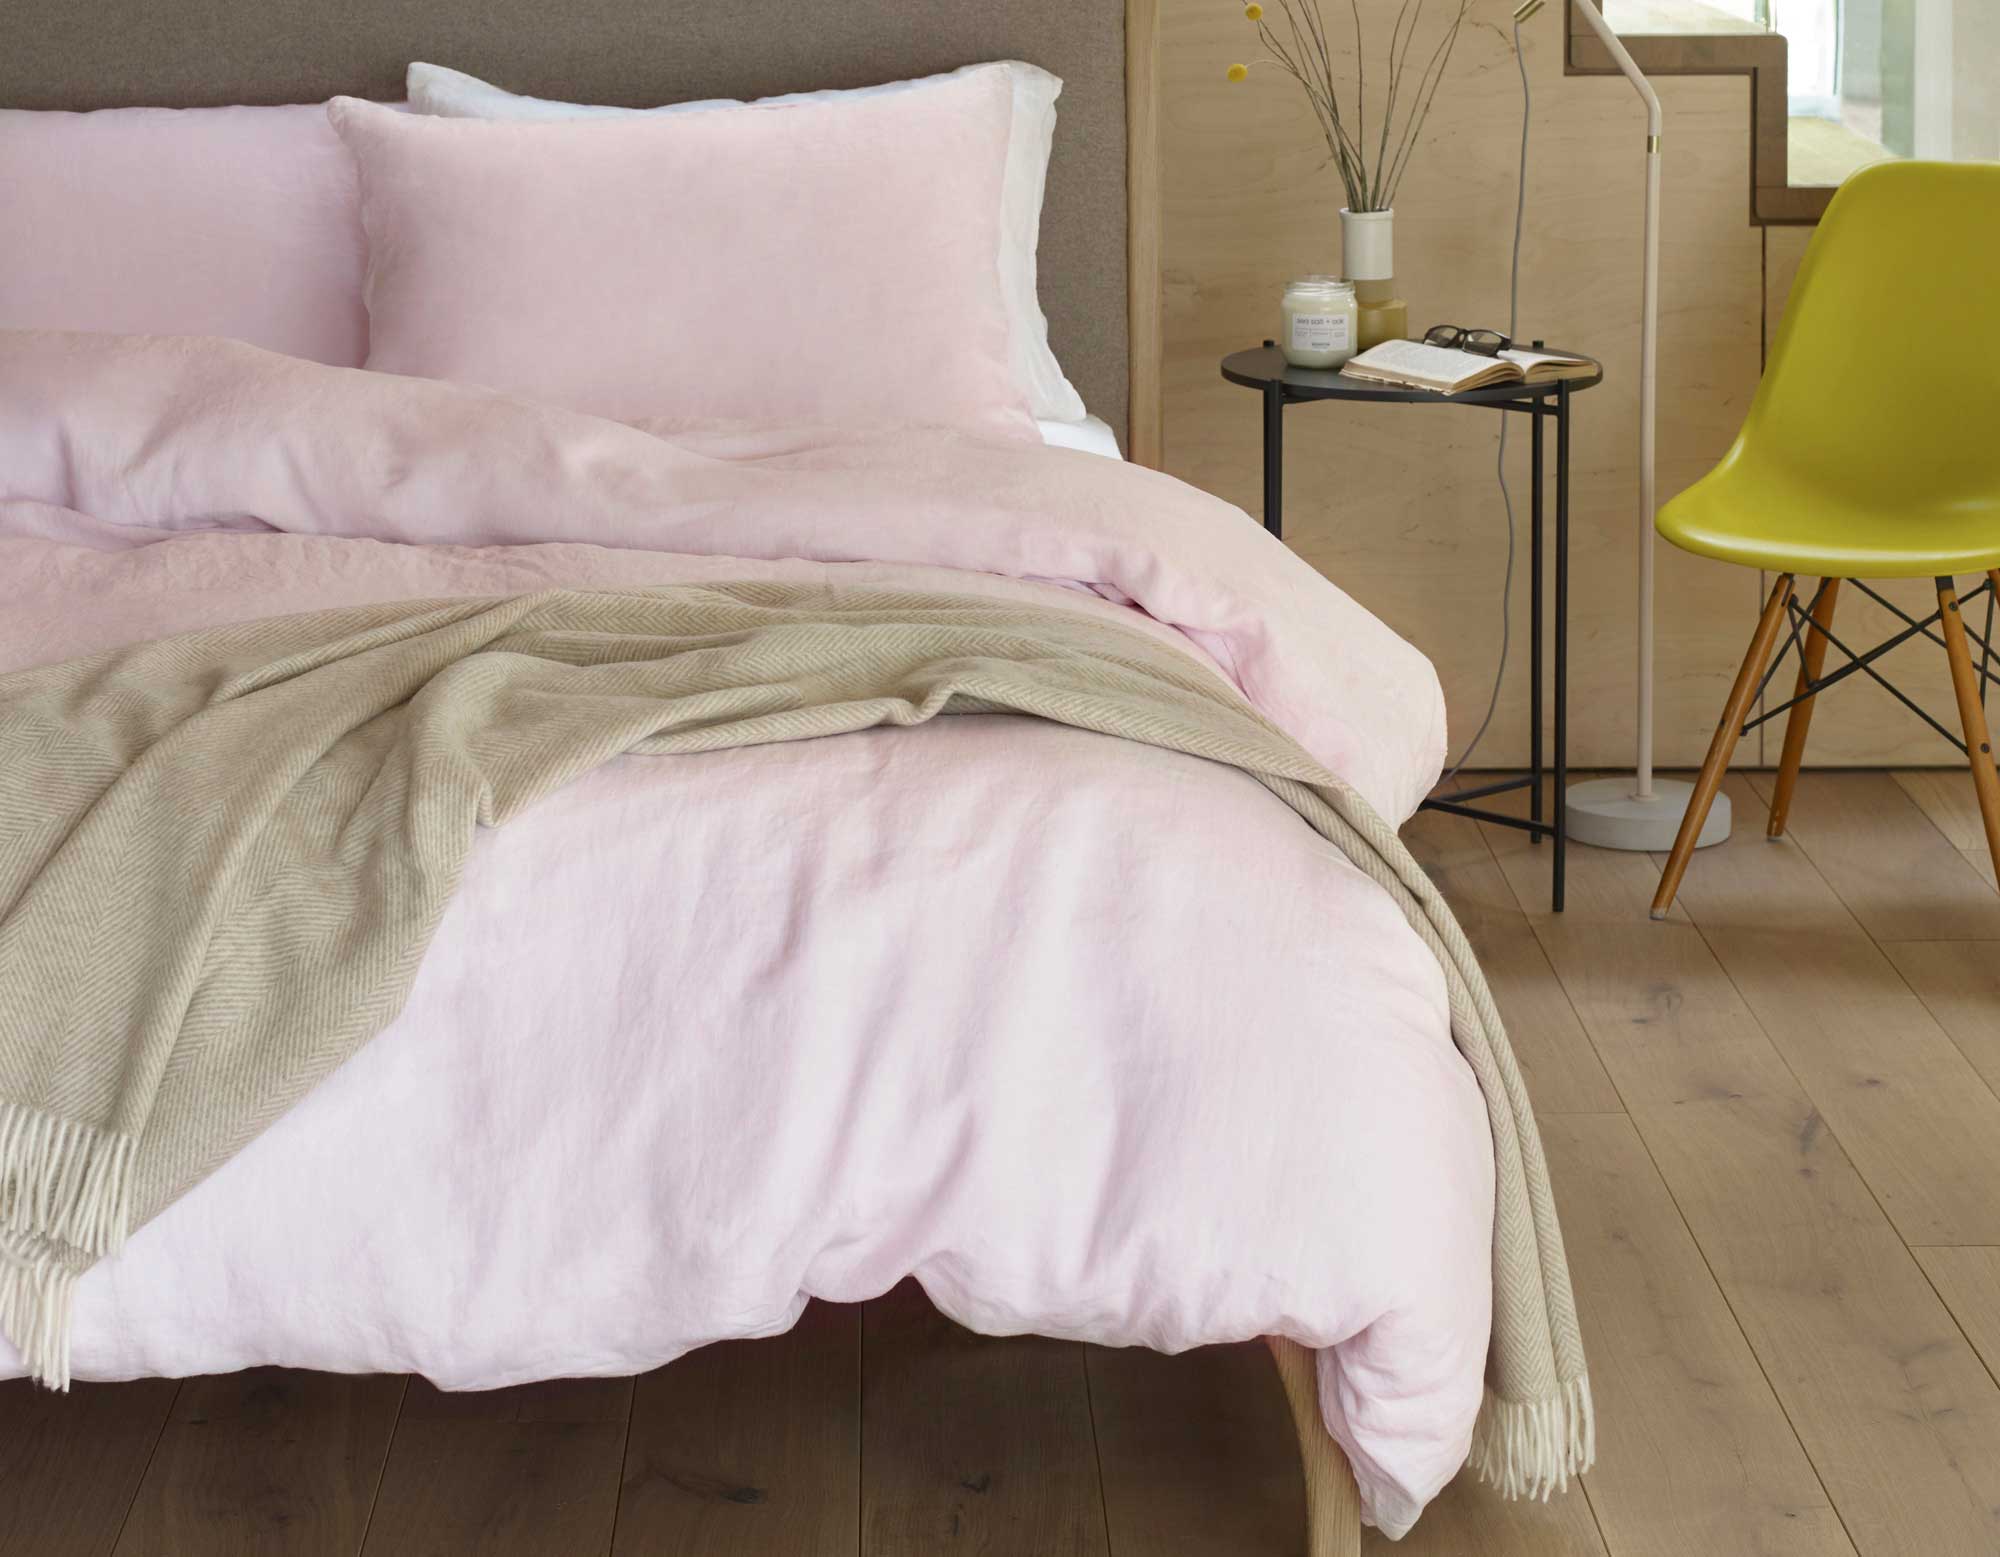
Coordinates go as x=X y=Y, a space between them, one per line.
x=1485 y=343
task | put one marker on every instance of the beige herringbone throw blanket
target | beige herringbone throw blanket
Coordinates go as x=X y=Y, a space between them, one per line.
x=222 y=856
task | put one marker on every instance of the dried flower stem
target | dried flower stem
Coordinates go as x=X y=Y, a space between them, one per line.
x=1300 y=47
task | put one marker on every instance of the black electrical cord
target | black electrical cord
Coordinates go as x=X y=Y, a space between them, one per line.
x=1506 y=497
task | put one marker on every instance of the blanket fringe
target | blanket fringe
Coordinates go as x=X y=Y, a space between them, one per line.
x=35 y=1303
x=1531 y=1448
x=63 y=1180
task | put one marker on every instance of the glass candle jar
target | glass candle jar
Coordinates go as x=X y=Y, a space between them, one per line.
x=1321 y=322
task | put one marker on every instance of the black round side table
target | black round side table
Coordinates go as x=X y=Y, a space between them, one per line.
x=1282 y=385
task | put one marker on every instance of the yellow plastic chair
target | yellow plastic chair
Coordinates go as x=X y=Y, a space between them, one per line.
x=1872 y=450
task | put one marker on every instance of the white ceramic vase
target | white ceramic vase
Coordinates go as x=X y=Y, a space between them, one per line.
x=1368 y=251
x=1368 y=244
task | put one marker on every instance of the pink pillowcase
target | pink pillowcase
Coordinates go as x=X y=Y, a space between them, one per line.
x=825 y=263
x=243 y=222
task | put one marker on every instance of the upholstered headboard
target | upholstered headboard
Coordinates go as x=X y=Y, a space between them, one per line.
x=82 y=54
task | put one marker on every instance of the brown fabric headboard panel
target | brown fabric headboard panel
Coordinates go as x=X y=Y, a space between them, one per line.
x=82 y=54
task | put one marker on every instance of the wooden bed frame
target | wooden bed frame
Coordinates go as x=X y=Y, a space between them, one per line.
x=1100 y=249
x=1333 y=1502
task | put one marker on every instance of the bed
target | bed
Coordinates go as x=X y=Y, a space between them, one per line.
x=1088 y=1034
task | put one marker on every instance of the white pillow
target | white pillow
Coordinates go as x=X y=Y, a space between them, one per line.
x=433 y=89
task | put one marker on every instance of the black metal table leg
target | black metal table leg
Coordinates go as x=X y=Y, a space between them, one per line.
x=1562 y=642
x=1274 y=459
x=1546 y=774
x=1536 y=566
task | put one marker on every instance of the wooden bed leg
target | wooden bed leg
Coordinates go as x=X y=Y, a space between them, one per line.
x=1333 y=1502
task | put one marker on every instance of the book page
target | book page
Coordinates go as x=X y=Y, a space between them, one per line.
x=1548 y=364
x=1428 y=367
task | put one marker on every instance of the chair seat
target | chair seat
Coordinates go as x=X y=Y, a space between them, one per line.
x=1761 y=518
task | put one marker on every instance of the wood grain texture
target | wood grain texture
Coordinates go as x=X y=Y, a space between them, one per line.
x=1196 y=1452
x=263 y=1463
x=1333 y=1502
x=508 y=1471
x=1969 y=1282
x=1784 y=251
x=1913 y=1114
x=1899 y=1418
x=71 y=1463
x=1679 y=40
x=1676 y=1382
x=750 y=1447
x=1969 y=689
x=1960 y=982
x=1467 y=1520
x=1722 y=746
x=971 y=1444
x=1893 y=869
x=1399 y=505
x=1946 y=796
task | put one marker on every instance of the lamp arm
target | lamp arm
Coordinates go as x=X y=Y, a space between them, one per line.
x=1594 y=19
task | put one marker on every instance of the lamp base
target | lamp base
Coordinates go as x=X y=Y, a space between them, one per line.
x=1608 y=814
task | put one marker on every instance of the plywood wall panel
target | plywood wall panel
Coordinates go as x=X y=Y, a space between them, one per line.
x=1399 y=505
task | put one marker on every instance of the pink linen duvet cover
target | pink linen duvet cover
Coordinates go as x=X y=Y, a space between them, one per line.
x=1097 y=1041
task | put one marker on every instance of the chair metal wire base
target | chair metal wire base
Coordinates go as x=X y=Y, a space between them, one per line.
x=1800 y=621
x=1809 y=634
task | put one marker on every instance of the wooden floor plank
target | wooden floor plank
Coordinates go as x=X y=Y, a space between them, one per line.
x=1197 y=1453
x=71 y=1463
x=1667 y=1024
x=506 y=1472
x=1912 y=1114
x=973 y=1444
x=1947 y=797
x=750 y=1448
x=1695 y=1453
x=1896 y=1413
x=1899 y=1416
x=265 y=1463
x=1959 y=981
x=1969 y=1282
x=1562 y=1069
x=1902 y=878
x=1198 y=1458
x=1468 y=1519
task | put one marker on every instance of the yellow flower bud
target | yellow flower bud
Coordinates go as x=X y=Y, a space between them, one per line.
x=1239 y=72
x=1253 y=12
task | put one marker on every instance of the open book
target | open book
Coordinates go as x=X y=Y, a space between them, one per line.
x=1413 y=365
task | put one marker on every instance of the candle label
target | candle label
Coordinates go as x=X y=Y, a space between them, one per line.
x=1322 y=332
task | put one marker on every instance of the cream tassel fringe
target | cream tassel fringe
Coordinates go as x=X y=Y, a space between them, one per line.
x=65 y=1188
x=1531 y=1448
x=34 y=1315
x=67 y=1182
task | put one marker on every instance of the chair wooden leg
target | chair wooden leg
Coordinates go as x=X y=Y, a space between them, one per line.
x=1724 y=745
x=1800 y=720
x=1978 y=739
x=1333 y=1502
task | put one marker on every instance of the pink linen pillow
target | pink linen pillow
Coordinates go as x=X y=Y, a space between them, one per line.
x=241 y=222
x=831 y=263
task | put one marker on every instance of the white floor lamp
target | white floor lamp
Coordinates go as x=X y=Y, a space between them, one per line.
x=1636 y=812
